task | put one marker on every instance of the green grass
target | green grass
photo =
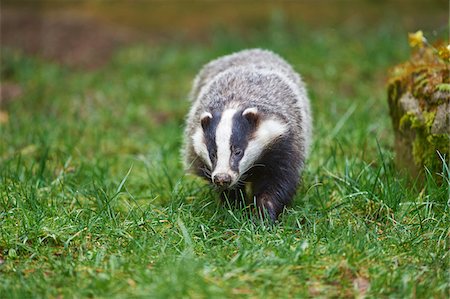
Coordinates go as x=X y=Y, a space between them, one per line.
x=94 y=201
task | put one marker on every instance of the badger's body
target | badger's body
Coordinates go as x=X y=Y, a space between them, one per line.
x=250 y=122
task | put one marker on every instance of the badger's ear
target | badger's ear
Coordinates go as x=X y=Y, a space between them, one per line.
x=205 y=119
x=251 y=114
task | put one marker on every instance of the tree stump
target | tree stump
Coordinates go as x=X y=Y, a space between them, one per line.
x=419 y=103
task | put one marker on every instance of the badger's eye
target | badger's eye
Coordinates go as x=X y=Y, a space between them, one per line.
x=213 y=156
x=237 y=152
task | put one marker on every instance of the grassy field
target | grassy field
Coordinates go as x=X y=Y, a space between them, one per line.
x=94 y=201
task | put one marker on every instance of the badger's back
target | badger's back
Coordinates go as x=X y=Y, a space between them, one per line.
x=254 y=58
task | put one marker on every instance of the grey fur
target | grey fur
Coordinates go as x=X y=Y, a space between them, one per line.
x=251 y=78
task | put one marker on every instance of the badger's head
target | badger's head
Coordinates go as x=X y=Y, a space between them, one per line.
x=229 y=143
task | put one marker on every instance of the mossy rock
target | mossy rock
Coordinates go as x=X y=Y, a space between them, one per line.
x=419 y=102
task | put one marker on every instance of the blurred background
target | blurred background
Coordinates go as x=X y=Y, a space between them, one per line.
x=86 y=33
x=130 y=64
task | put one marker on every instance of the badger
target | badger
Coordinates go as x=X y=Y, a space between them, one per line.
x=249 y=128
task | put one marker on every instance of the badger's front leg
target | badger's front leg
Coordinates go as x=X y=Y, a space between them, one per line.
x=274 y=190
x=233 y=197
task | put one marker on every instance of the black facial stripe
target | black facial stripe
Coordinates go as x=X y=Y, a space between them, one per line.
x=210 y=138
x=240 y=134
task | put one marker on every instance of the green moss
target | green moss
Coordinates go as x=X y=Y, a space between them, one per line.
x=425 y=150
x=425 y=144
x=418 y=151
x=410 y=121
x=440 y=141
x=443 y=87
x=429 y=117
x=427 y=79
x=420 y=82
x=407 y=120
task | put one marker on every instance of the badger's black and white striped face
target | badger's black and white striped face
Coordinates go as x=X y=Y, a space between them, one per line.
x=229 y=143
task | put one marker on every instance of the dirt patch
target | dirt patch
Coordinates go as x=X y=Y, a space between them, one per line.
x=86 y=33
x=64 y=37
x=8 y=92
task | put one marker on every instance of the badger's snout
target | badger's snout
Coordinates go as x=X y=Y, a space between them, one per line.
x=222 y=180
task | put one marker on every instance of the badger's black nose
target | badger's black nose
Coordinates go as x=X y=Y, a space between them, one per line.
x=222 y=180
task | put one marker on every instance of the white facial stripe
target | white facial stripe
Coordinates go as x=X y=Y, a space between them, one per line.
x=302 y=102
x=253 y=110
x=268 y=130
x=223 y=136
x=200 y=148
x=205 y=114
